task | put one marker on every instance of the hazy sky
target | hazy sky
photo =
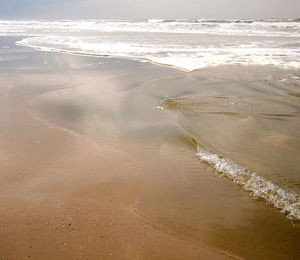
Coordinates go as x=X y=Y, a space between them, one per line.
x=138 y=9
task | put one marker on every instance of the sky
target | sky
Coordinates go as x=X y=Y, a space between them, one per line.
x=144 y=9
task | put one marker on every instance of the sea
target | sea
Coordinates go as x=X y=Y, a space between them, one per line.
x=237 y=98
x=185 y=44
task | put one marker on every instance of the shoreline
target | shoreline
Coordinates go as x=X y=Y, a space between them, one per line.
x=132 y=182
x=133 y=58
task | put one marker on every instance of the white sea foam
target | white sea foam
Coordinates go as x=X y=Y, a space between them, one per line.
x=287 y=201
x=263 y=27
x=185 y=44
x=185 y=56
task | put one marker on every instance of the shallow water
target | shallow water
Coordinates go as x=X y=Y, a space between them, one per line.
x=246 y=124
x=115 y=101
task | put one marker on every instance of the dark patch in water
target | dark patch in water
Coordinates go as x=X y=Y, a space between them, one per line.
x=71 y=111
x=221 y=97
x=280 y=115
x=294 y=94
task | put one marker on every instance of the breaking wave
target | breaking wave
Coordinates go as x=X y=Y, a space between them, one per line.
x=184 y=44
x=259 y=188
x=255 y=27
x=172 y=51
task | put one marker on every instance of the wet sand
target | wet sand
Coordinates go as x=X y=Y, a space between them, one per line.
x=65 y=198
x=63 y=195
x=91 y=169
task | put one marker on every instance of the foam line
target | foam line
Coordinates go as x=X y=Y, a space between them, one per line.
x=257 y=186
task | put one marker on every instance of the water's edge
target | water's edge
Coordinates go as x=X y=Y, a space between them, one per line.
x=258 y=187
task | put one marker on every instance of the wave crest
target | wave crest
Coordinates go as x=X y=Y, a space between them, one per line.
x=257 y=186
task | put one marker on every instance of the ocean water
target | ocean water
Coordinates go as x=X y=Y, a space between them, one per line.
x=241 y=109
x=186 y=44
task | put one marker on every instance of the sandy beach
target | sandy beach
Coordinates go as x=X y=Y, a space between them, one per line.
x=91 y=169
x=65 y=196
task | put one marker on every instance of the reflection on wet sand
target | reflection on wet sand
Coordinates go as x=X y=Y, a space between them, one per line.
x=221 y=120
x=142 y=163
